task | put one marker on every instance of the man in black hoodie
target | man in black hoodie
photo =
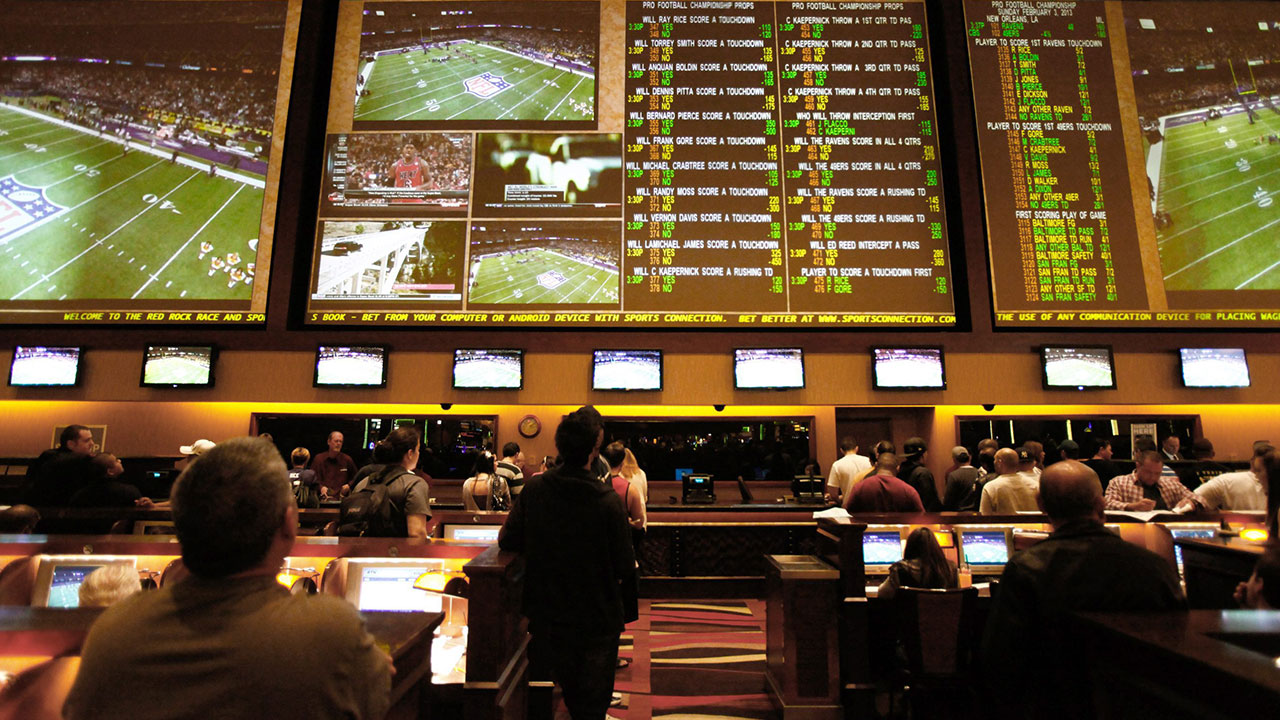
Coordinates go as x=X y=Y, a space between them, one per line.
x=573 y=532
x=914 y=472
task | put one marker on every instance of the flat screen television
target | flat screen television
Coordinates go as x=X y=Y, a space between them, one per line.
x=174 y=366
x=1077 y=368
x=481 y=369
x=1214 y=367
x=881 y=548
x=1207 y=532
x=472 y=533
x=58 y=577
x=768 y=368
x=351 y=366
x=45 y=367
x=985 y=550
x=626 y=370
x=388 y=584
x=918 y=368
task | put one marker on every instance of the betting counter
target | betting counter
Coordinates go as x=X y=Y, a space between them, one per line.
x=445 y=582
x=863 y=547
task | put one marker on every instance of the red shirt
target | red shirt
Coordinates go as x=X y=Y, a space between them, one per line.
x=883 y=493
x=408 y=174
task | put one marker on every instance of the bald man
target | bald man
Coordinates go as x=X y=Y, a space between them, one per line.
x=1012 y=491
x=1033 y=668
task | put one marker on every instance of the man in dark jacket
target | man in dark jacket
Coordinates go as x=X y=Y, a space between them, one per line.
x=573 y=532
x=915 y=473
x=1030 y=667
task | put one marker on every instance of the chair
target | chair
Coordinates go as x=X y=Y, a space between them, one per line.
x=18 y=580
x=937 y=630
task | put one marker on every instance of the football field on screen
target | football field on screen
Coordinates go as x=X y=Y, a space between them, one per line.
x=81 y=220
x=1219 y=185
x=545 y=276
x=499 y=85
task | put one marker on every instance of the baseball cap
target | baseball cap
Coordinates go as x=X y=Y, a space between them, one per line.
x=1024 y=456
x=1069 y=445
x=914 y=446
x=960 y=452
x=198 y=447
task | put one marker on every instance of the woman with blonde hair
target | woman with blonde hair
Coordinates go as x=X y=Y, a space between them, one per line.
x=634 y=475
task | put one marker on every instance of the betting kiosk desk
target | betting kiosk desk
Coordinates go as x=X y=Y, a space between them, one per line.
x=1212 y=567
x=862 y=622
x=1201 y=665
x=491 y=676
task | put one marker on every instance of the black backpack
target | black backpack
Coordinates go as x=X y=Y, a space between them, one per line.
x=369 y=512
x=307 y=494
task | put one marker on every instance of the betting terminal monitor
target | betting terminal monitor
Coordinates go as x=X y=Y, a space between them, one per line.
x=1077 y=368
x=349 y=366
x=1207 y=532
x=472 y=533
x=626 y=370
x=919 y=368
x=881 y=548
x=58 y=577
x=697 y=490
x=985 y=550
x=768 y=369
x=173 y=366
x=1214 y=367
x=387 y=584
x=484 y=369
x=45 y=367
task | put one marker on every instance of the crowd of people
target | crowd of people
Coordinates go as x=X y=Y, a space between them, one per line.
x=237 y=101
x=579 y=519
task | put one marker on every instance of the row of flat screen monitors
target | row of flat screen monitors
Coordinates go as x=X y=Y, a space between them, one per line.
x=921 y=368
x=984 y=549
x=586 y=163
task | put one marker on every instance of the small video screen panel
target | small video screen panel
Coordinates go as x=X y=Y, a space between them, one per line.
x=517 y=265
x=45 y=367
x=1077 y=368
x=568 y=175
x=985 y=548
x=768 y=368
x=341 y=366
x=178 y=366
x=881 y=547
x=472 y=533
x=391 y=588
x=58 y=577
x=397 y=175
x=501 y=64
x=1214 y=368
x=908 y=369
x=389 y=263
x=626 y=370
x=479 y=369
x=1204 y=533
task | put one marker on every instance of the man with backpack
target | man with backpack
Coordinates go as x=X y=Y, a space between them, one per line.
x=390 y=501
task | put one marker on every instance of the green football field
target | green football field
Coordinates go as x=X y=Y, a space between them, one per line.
x=499 y=85
x=1079 y=373
x=112 y=225
x=1218 y=184
x=539 y=276
x=176 y=370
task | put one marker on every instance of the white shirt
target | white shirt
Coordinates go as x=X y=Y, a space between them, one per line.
x=847 y=469
x=1233 y=491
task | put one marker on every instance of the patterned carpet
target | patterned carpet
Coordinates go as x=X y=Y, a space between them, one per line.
x=695 y=660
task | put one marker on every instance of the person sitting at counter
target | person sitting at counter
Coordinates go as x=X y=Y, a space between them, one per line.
x=1149 y=488
x=104 y=488
x=1242 y=490
x=229 y=640
x=1011 y=491
x=1031 y=669
x=883 y=492
x=1262 y=590
x=922 y=565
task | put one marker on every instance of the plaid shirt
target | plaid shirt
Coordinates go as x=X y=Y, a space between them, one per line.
x=1127 y=489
